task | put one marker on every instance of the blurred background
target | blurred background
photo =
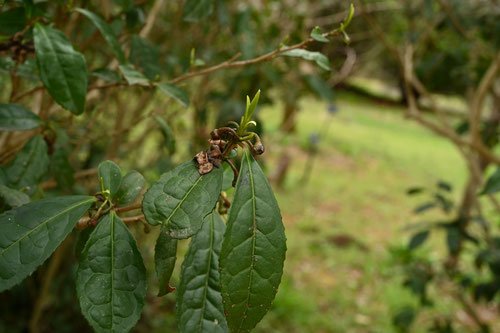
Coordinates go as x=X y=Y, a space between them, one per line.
x=377 y=156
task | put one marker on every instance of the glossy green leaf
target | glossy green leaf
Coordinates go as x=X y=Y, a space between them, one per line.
x=14 y=117
x=63 y=70
x=111 y=277
x=181 y=198
x=253 y=250
x=106 y=74
x=145 y=56
x=111 y=175
x=175 y=92
x=196 y=10
x=165 y=257
x=13 y=198
x=106 y=32
x=30 y=165
x=131 y=187
x=199 y=301
x=30 y=233
x=317 y=34
x=493 y=183
x=320 y=59
x=168 y=134
x=132 y=76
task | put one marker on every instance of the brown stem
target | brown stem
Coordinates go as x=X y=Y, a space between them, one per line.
x=132 y=219
x=119 y=210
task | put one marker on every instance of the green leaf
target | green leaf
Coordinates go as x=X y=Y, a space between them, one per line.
x=111 y=277
x=62 y=170
x=493 y=183
x=107 y=34
x=63 y=70
x=418 y=239
x=14 y=117
x=320 y=59
x=196 y=10
x=111 y=175
x=131 y=187
x=181 y=198
x=175 y=92
x=13 y=198
x=165 y=257
x=253 y=250
x=227 y=177
x=12 y=21
x=145 y=56
x=168 y=134
x=106 y=74
x=251 y=106
x=317 y=34
x=133 y=76
x=199 y=301
x=29 y=234
x=30 y=165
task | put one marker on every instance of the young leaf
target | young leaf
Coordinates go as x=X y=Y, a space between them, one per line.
x=30 y=165
x=107 y=34
x=175 y=92
x=131 y=187
x=181 y=198
x=133 y=76
x=320 y=59
x=111 y=175
x=165 y=257
x=63 y=70
x=195 y=10
x=253 y=250
x=199 y=301
x=14 y=117
x=317 y=34
x=13 y=198
x=111 y=277
x=30 y=233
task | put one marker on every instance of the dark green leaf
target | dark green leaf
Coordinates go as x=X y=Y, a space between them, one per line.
x=13 y=198
x=30 y=165
x=3 y=176
x=199 y=301
x=181 y=198
x=83 y=237
x=107 y=34
x=62 y=170
x=30 y=233
x=12 y=21
x=418 y=239
x=165 y=257
x=493 y=183
x=14 y=117
x=63 y=70
x=196 y=10
x=131 y=187
x=444 y=186
x=111 y=175
x=175 y=92
x=133 y=76
x=453 y=239
x=168 y=134
x=317 y=34
x=404 y=318
x=106 y=74
x=145 y=56
x=253 y=250
x=414 y=190
x=424 y=207
x=320 y=59
x=111 y=277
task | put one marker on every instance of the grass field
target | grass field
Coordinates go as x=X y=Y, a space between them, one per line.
x=367 y=159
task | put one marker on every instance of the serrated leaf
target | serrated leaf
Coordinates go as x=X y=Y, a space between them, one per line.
x=63 y=70
x=30 y=165
x=111 y=175
x=131 y=187
x=168 y=134
x=30 y=233
x=14 y=117
x=13 y=198
x=196 y=10
x=175 y=92
x=492 y=184
x=111 y=277
x=145 y=56
x=165 y=257
x=199 y=301
x=418 y=239
x=132 y=76
x=106 y=32
x=317 y=34
x=106 y=74
x=181 y=198
x=320 y=59
x=253 y=250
